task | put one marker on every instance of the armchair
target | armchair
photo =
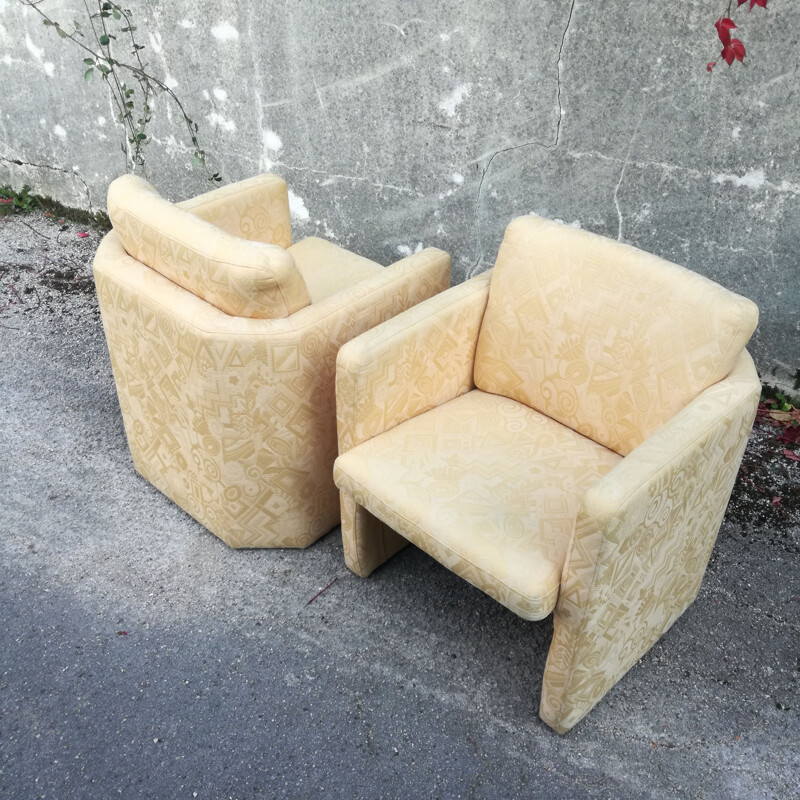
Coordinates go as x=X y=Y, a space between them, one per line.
x=564 y=433
x=223 y=338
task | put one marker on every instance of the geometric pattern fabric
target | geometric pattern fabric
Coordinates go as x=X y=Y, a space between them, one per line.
x=426 y=458
x=605 y=338
x=231 y=417
x=488 y=487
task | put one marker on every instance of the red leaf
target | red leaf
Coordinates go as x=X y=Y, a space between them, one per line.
x=711 y=65
x=741 y=2
x=81 y=234
x=791 y=455
x=122 y=633
x=762 y=3
x=734 y=50
x=724 y=26
x=776 y=501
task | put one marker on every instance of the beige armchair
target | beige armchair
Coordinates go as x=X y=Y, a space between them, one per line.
x=223 y=338
x=564 y=433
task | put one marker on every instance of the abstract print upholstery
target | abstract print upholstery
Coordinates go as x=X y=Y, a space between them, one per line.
x=494 y=500
x=243 y=278
x=601 y=336
x=232 y=417
x=641 y=529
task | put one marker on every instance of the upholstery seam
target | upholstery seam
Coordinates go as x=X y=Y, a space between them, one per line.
x=393 y=278
x=400 y=334
x=269 y=271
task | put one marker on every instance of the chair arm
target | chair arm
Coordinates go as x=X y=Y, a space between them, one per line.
x=256 y=209
x=416 y=361
x=641 y=544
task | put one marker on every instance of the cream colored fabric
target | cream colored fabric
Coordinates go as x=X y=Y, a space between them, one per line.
x=487 y=486
x=327 y=268
x=256 y=209
x=400 y=369
x=240 y=277
x=642 y=540
x=417 y=461
x=605 y=338
x=234 y=418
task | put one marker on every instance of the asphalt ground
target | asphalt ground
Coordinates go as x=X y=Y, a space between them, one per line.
x=142 y=658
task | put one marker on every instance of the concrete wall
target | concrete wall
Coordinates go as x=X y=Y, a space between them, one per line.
x=399 y=123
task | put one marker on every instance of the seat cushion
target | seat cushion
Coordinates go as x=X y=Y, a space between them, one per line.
x=239 y=277
x=327 y=268
x=487 y=486
x=603 y=337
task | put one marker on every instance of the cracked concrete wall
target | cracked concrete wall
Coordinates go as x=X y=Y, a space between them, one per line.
x=401 y=123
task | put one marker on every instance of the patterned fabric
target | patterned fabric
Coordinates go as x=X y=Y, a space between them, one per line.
x=642 y=541
x=256 y=209
x=487 y=486
x=607 y=339
x=240 y=277
x=234 y=418
x=419 y=461
x=413 y=363
x=327 y=268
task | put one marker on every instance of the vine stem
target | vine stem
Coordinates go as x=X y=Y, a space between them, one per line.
x=144 y=78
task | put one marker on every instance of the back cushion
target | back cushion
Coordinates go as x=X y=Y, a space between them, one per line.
x=240 y=277
x=600 y=336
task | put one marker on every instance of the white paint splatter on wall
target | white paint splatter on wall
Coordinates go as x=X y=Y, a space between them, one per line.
x=271 y=145
x=218 y=121
x=220 y=94
x=405 y=250
x=754 y=179
x=455 y=99
x=297 y=208
x=225 y=32
x=35 y=51
x=59 y=131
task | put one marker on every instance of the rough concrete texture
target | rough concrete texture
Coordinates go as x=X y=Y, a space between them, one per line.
x=400 y=122
x=228 y=684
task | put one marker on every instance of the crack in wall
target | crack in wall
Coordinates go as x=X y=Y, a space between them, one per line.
x=622 y=176
x=555 y=143
x=334 y=177
x=558 y=70
x=74 y=173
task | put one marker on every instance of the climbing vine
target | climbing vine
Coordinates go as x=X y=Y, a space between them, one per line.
x=732 y=49
x=108 y=30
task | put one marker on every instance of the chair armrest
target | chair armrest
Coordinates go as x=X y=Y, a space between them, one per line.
x=416 y=361
x=641 y=544
x=256 y=209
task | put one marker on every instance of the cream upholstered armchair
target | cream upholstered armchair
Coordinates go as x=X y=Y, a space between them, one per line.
x=564 y=433
x=223 y=338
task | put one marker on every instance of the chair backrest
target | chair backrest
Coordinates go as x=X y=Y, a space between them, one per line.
x=602 y=337
x=240 y=277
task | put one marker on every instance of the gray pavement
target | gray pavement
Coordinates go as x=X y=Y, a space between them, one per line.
x=227 y=684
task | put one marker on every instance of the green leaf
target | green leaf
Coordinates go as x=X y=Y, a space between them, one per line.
x=88 y=61
x=104 y=40
x=47 y=23
x=117 y=15
x=60 y=31
x=77 y=26
x=89 y=74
